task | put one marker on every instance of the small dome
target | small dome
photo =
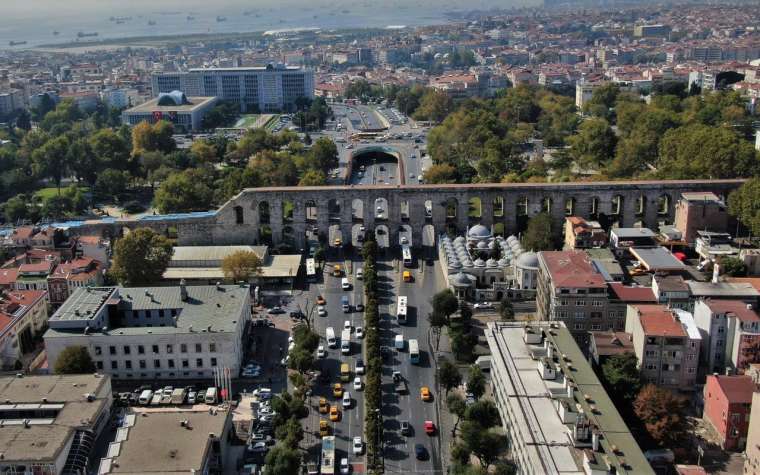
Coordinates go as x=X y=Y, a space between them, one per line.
x=527 y=260
x=174 y=98
x=480 y=262
x=511 y=239
x=454 y=264
x=482 y=245
x=479 y=232
x=492 y=263
x=461 y=279
x=503 y=262
x=493 y=244
x=459 y=240
x=467 y=264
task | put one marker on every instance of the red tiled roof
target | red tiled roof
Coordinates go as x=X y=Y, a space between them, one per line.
x=8 y=276
x=753 y=281
x=571 y=269
x=5 y=321
x=24 y=297
x=738 y=389
x=43 y=266
x=632 y=294
x=23 y=232
x=690 y=470
x=659 y=320
x=736 y=307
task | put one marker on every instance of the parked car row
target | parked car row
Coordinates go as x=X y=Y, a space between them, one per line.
x=146 y=396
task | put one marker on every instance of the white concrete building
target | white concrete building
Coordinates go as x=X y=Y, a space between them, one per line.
x=558 y=417
x=271 y=88
x=186 y=113
x=154 y=332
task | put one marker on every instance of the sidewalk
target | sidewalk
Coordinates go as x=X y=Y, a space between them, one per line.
x=445 y=419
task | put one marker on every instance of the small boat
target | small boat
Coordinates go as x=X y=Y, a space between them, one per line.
x=221 y=18
x=82 y=34
x=16 y=43
x=56 y=33
x=151 y=23
x=190 y=18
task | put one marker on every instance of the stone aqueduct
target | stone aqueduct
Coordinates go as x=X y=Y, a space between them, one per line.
x=283 y=213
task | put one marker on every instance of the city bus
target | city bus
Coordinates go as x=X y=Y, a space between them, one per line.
x=406 y=255
x=401 y=310
x=311 y=270
x=327 y=464
x=414 y=352
x=363 y=136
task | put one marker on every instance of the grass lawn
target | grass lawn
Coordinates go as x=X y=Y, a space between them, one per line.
x=253 y=121
x=53 y=191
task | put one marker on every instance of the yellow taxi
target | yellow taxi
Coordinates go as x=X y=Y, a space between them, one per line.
x=338 y=390
x=334 y=413
x=338 y=242
x=425 y=394
x=324 y=428
x=407 y=276
x=323 y=406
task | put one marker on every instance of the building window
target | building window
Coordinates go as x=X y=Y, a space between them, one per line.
x=213 y=361
x=580 y=326
x=142 y=364
x=199 y=362
x=127 y=350
x=98 y=351
x=185 y=364
x=564 y=302
x=597 y=303
x=156 y=363
x=212 y=347
x=114 y=365
x=198 y=348
x=169 y=349
x=99 y=364
x=155 y=349
x=171 y=363
x=580 y=315
x=183 y=348
x=580 y=303
x=128 y=364
x=596 y=326
x=112 y=350
x=140 y=349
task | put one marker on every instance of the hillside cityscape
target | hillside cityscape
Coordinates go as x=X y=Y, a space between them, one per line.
x=382 y=238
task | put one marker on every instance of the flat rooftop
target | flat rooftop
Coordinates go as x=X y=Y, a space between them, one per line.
x=657 y=259
x=84 y=303
x=187 y=255
x=536 y=400
x=723 y=289
x=152 y=106
x=64 y=396
x=158 y=443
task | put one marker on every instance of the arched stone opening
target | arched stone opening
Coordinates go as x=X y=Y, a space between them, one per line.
x=570 y=207
x=264 y=216
x=310 y=207
x=288 y=208
x=498 y=207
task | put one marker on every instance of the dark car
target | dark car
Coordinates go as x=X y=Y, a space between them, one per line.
x=406 y=428
x=420 y=451
x=359 y=307
x=385 y=352
x=297 y=315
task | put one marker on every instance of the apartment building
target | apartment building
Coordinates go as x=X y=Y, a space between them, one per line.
x=570 y=289
x=271 y=88
x=667 y=343
x=154 y=332
x=23 y=316
x=730 y=332
x=582 y=234
x=728 y=402
x=557 y=414
x=672 y=291
x=700 y=212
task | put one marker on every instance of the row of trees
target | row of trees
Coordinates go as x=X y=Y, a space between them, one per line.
x=373 y=424
x=463 y=340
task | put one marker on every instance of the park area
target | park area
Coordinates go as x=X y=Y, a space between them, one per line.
x=255 y=121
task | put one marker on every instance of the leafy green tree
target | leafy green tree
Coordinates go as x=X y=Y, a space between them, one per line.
x=203 y=152
x=324 y=153
x=140 y=258
x=110 y=149
x=486 y=445
x=506 y=310
x=156 y=137
x=460 y=455
x=476 y=381
x=602 y=101
x=733 y=266
x=594 y=144
x=74 y=360
x=699 y=151
x=313 y=178
x=282 y=460
x=112 y=182
x=445 y=303
x=183 y=192
x=457 y=406
x=16 y=209
x=462 y=343
x=448 y=375
x=300 y=360
x=434 y=106
x=744 y=204
x=539 y=236
x=484 y=412
x=241 y=266
x=440 y=174
x=51 y=160
x=621 y=375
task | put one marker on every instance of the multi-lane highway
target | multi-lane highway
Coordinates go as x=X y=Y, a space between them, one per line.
x=398 y=449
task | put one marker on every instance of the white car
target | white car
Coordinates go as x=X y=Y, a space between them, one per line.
x=359 y=273
x=404 y=240
x=321 y=311
x=346 y=399
x=358 y=383
x=321 y=353
x=359 y=368
x=358 y=446
x=359 y=332
x=347 y=325
x=484 y=305
x=345 y=468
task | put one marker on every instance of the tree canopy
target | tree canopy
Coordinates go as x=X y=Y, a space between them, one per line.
x=140 y=258
x=74 y=360
x=241 y=266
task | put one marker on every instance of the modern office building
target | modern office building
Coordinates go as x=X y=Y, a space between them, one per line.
x=731 y=335
x=51 y=423
x=272 y=88
x=558 y=416
x=154 y=332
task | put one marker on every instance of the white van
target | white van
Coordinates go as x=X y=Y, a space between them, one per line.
x=211 y=395
x=399 y=342
x=345 y=284
x=330 y=337
x=145 y=397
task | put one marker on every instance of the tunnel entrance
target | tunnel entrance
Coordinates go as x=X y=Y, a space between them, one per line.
x=375 y=166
